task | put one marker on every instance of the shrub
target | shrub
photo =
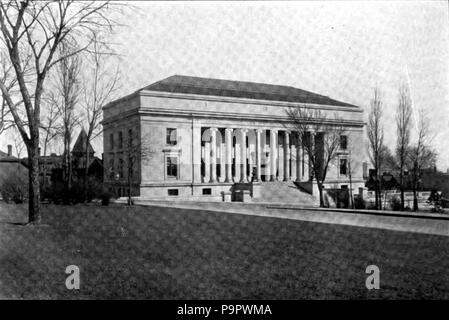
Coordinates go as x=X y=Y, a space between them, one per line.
x=105 y=198
x=94 y=189
x=371 y=205
x=359 y=203
x=76 y=192
x=395 y=204
x=15 y=187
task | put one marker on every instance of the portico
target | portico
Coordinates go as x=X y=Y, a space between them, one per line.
x=246 y=155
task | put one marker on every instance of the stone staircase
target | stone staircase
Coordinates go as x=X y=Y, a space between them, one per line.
x=284 y=192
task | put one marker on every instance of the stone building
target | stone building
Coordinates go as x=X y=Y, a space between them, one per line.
x=206 y=139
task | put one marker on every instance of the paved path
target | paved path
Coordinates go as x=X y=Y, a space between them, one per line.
x=419 y=224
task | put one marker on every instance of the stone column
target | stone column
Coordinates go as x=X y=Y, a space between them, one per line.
x=243 y=152
x=258 y=155
x=228 y=141
x=312 y=137
x=299 y=158
x=286 y=156
x=273 y=157
x=237 y=156
x=213 y=155
x=280 y=159
x=292 y=159
x=222 y=159
x=196 y=151
x=206 y=161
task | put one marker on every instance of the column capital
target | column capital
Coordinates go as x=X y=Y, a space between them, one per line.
x=229 y=130
x=274 y=131
x=259 y=130
x=213 y=129
x=243 y=130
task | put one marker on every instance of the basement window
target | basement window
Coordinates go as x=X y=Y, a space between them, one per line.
x=207 y=191
x=173 y=192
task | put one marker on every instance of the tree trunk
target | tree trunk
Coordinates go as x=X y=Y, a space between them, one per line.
x=415 y=199
x=377 y=192
x=67 y=168
x=44 y=181
x=34 y=214
x=86 y=173
x=320 y=190
x=129 y=187
x=415 y=187
x=401 y=181
x=351 y=198
x=380 y=193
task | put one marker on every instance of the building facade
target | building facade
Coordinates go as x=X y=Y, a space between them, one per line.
x=198 y=138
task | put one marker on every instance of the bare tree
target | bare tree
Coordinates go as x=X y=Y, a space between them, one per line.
x=39 y=28
x=421 y=155
x=303 y=121
x=65 y=96
x=376 y=140
x=100 y=87
x=387 y=163
x=50 y=132
x=17 y=143
x=403 y=115
x=136 y=150
x=9 y=82
x=353 y=166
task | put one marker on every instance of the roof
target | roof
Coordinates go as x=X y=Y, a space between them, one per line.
x=80 y=144
x=240 y=89
x=4 y=157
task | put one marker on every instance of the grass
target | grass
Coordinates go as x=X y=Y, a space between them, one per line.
x=163 y=253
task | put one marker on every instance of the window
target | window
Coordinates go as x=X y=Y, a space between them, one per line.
x=120 y=140
x=111 y=141
x=172 y=138
x=120 y=168
x=343 y=166
x=111 y=169
x=173 y=192
x=130 y=137
x=343 y=142
x=207 y=191
x=172 y=167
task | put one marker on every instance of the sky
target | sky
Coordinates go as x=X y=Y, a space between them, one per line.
x=334 y=48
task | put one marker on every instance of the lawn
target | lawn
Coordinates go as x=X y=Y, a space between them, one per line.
x=163 y=253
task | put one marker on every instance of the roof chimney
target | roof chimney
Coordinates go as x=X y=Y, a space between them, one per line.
x=9 y=150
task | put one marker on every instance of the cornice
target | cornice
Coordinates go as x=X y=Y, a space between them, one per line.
x=221 y=115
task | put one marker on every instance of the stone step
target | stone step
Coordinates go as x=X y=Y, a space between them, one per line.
x=284 y=192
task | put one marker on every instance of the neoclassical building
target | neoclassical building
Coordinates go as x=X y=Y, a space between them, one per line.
x=208 y=139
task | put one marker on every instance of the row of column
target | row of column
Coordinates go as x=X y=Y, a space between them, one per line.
x=240 y=153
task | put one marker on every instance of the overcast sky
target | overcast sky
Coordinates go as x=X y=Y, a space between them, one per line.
x=335 y=48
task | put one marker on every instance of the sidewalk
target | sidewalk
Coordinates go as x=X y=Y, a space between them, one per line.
x=411 y=214
x=436 y=224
